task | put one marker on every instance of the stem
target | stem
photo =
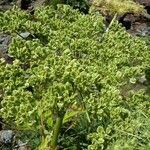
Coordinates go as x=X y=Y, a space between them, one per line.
x=112 y=21
x=106 y=31
x=138 y=137
x=56 y=132
x=42 y=125
x=84 y=106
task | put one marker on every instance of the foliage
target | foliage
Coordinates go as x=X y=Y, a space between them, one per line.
x=82 y=5
x=117 y=6
x=67 y=83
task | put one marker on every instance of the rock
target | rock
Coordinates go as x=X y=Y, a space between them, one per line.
x=9 y=59
x=4 y=42
x=140 y=29
x=143 y=2
x=146 y=4
x=22 y=146
x=4 y=2
x=25 y=4
x=25 y=34
x=126 y=20
x=142 y=79
x=137 y=25
x=6 y=136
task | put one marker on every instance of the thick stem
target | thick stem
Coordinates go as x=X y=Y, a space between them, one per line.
x=56 y=131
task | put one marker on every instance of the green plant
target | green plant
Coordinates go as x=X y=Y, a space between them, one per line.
x=57 y=78
x=117 y=6
x=82 y=5
x=66 y=77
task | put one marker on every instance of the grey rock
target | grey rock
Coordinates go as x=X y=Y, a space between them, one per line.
x=25 y=34
x=4 y=42
x=4 y=45
x=142 y=79
x=6 y=136
x=21 y=146
x=5 y=39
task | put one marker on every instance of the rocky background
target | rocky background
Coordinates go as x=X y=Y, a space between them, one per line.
x=138 y=25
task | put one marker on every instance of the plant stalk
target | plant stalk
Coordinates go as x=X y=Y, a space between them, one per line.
x=56 y=131
x=111 y=23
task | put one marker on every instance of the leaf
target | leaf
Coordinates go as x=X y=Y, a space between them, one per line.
x=70 y=114
x=50 y=122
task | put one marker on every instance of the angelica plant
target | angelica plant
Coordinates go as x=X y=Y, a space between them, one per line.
x=64 y=72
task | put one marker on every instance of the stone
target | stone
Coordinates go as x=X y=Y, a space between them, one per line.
x=6 y=136
x=25 y=34
x=143 y=2
x=142 y=79
x=21 y=145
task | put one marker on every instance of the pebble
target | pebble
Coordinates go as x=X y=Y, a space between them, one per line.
x=25 y=34
x=6 y=136
x=142 y=79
